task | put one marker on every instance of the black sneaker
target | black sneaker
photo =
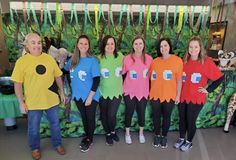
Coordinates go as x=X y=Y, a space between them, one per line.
x=86 y=146
x=115 y=137
x=156 y=141
x=164 y=142
x=109 y=140
x=83 y=142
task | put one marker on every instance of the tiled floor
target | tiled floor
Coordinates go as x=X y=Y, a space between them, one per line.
x=209 y=144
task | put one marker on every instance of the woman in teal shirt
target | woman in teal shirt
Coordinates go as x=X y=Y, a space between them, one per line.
x=110 y=86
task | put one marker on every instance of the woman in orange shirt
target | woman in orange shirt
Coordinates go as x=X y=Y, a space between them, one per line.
x=166 y=74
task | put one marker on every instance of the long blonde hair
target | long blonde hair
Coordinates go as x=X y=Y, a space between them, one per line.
x=76 y=54
x=202 y=54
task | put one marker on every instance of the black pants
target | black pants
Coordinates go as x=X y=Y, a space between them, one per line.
x=159 y=110
x=88 y=114
x=130 y=105
x=108 y=110
x=188 y=113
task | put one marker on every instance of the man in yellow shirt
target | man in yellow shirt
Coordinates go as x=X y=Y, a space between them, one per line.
x=39 y=74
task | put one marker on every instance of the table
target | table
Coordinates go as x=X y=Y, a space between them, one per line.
x=9 y=110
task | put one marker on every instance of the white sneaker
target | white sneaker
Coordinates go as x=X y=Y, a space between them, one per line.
x=128 y=139
x=141 y=139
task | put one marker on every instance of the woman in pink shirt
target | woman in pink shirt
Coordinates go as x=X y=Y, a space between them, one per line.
x=136 y=86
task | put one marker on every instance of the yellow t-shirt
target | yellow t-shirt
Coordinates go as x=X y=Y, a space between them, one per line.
x=164 y=75
x=37 y=73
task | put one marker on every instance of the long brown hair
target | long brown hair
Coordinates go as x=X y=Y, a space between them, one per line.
x=202 y=54
x=143 y=52
x=76 y=54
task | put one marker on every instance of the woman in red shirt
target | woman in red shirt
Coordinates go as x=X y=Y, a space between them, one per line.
x=197 y=70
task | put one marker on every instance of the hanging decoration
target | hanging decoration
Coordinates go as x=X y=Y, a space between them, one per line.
x=41 y=15
x=127 y=9
x=180 y=21
x=196 y=26
x=28 y=9
x=12 y=16
x=111 y=15
x=148 y=17
x=101 y=13
x=141 y=15
x=190 y=12
x=49 y=15
x=185 y=15
x=123 y=29
x=74 y=14
x=86 y=15
x=175 y=15
x=63 y=17
x=58 y=15
x=193 y=12
x=25 y=16
x=96 y=20
x=123 y=8
x=167 y=16
x=156 y=15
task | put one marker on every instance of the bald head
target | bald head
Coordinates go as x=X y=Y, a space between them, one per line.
x=33 y=44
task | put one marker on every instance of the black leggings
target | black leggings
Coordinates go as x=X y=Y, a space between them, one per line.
x=88 y=114
x=158 y=110
x=130 y=105
x=188 y=113
x=108 y=110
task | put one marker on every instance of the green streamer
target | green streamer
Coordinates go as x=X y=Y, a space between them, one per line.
x=45 y=15
x=71 y=12
x=34 y=16
x=148 y=17
x=175 y=14
x=121 y=13
x=128 y=15
x=202 y=16
x=167 y=17
x=185 y=15
x=96 y=9
x=86 y=15
x=101 y=13
x=12 y=16
x=58 y=15
x=28 y=9
x=49 y=14
x=76 y=16
x=140 y=15
x=193 y=12
x=157 y=13
x=111 y=15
